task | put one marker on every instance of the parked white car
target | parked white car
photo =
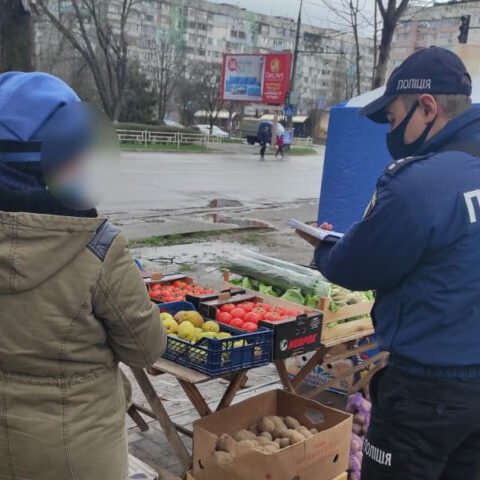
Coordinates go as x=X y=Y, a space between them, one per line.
x=216 y=131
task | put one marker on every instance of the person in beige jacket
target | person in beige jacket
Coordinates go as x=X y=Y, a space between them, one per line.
x=72 y=306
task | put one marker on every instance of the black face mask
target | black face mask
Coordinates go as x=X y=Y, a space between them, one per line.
x=396 y=138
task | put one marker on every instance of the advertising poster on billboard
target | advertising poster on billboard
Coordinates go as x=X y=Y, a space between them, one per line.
x=256 y=78
x=243 y=77
x=276 y=78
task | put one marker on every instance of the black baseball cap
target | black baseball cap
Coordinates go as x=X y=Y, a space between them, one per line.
x=431 y=70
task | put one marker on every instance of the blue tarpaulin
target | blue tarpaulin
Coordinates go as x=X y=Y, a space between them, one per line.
x=355 y=157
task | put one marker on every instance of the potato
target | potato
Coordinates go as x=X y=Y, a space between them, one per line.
x=244 y=435
x=294 y=436
x=266 y=425
x=262 y=441
x=253 y=428
x=222 y=443
x=280 y=433
x=313 y=431
x=291 y=422
x=249 y=443
x=271 y=448
x=304 y=431
x=279 y=423
x=283 y=442
x=266 y=435
x=223 y=459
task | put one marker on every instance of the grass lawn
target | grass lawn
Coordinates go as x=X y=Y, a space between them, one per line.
x=301 y=151
x=160 y=147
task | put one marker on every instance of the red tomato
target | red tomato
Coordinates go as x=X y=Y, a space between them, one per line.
x=179 y=284
x=273 y=316
x=265 y=306
x=247 y=306
x=236 y=322
x=252 y=317
x=250 y=327
x=228 y=307
x=238 y=312
x=224 y=317
x=259 y=311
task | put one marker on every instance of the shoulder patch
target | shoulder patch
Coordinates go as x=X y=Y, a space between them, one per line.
x=396 y=166
x=102 y=240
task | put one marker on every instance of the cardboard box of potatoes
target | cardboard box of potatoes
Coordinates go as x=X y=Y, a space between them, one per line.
x=277 y=436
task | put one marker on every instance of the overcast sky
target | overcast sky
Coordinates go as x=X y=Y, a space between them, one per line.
x=314 y=12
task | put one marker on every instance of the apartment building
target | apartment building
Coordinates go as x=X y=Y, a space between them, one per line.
x=438 y=25
x=204 y=31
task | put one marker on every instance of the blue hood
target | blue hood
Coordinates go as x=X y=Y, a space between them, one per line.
x=27 y=103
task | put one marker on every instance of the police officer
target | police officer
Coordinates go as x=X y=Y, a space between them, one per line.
x=418 y=246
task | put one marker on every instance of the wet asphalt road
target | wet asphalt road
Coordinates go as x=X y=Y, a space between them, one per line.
x=170 y=181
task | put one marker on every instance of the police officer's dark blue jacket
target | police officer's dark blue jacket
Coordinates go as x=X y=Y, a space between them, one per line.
x=419 y=248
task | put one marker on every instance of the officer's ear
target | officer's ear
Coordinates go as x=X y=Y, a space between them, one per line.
x=428 y=107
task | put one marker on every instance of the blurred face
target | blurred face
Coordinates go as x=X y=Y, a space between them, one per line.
x=427 y=111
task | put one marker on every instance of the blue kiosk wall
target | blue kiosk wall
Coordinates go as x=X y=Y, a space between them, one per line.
x=356 y=155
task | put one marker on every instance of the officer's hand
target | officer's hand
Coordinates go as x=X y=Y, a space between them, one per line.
x=315 y=242
x=326 y=226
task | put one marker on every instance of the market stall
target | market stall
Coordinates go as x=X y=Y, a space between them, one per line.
x=224 y=333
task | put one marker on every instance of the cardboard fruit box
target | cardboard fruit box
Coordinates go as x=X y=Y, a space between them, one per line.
x=291 y=336
x=321 y=457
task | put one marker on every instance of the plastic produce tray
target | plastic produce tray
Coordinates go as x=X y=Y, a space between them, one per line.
x=217 y=357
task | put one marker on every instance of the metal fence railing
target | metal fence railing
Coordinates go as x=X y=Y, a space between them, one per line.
x=151 y=137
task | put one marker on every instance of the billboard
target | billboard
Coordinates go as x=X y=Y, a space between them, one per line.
x=256 y=78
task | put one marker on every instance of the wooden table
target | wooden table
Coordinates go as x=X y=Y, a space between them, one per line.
x=188 y=380
x=368 y=366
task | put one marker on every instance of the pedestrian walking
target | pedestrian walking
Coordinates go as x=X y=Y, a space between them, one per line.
x=280 y=144
x=263 y=137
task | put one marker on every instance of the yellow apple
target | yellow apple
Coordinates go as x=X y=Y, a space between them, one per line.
x=186 y=331
x=211 y=326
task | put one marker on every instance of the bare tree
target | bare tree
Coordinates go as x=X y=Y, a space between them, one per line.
x=349 y=13
x=207 y=78
x=169 y=68
x=103 y=45
x=16 y=36
x=390 y=12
